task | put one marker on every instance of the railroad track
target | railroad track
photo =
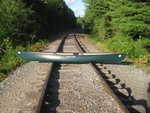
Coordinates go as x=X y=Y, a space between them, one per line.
x=117 y=85
x=78 y=88
x=38 y=87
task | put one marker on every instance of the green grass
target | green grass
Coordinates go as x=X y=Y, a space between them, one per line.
x=10 y=60
x=122 y=44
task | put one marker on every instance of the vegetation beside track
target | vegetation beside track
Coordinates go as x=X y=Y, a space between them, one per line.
x=121 y=26
x=26 y=25
x=10 y=60
x=135 y=54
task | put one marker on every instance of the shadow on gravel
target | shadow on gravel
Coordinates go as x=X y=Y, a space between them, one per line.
x=51 y=100
x=122 y=63
x=127 y=98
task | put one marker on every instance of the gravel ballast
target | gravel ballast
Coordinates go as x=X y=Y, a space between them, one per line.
x=80 y=89
x=133 y=85
x=20 y=91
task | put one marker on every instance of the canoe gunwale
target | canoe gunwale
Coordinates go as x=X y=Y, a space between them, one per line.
x=69 y=53
x=75 y=58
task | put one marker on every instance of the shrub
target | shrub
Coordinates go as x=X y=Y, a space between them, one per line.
x=10 y=59
x=14 y=19
x=125 y=44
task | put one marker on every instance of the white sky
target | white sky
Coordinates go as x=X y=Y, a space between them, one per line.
x=77 y=6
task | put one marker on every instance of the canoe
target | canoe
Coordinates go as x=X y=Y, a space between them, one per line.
x=71 y=57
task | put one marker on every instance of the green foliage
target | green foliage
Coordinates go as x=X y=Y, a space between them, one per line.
x=51 y=15
x=6 y=44
x=14 y=19
x=24 y=23
x=22 y=19
x=130 y=17
x=10 y=59
x=39 y=45
x=126 y=45
x=123 y=25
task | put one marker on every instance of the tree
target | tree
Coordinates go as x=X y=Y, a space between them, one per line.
x=129 y=17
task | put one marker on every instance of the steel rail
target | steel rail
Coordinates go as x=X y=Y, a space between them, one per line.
x=82 y=49
x=38 y=109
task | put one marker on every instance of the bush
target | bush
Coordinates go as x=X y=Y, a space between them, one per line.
x=125 y=44
x=14 y=19
x=25 y=22
x=10 y=59
x=39 y=45
x=124 y=16
x=123 y=25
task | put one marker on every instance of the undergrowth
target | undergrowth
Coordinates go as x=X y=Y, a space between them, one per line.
x=135 y=50
x=9 y=60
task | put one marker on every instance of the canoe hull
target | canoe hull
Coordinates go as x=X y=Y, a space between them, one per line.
x=108 y=58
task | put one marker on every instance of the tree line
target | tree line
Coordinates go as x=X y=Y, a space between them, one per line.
x=121 y=25
x=110 y=17
x=26 y=25
x=23 y=21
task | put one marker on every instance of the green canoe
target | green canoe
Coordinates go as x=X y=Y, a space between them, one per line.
x=71 y=57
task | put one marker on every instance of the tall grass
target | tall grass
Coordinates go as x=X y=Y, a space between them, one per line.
x=10 y=60
x=124 y=44
x=135 y=50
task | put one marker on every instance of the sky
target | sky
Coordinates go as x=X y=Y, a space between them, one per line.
x=77 y=6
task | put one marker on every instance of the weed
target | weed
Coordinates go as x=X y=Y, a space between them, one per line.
x=10 y=59
x=124 y=44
